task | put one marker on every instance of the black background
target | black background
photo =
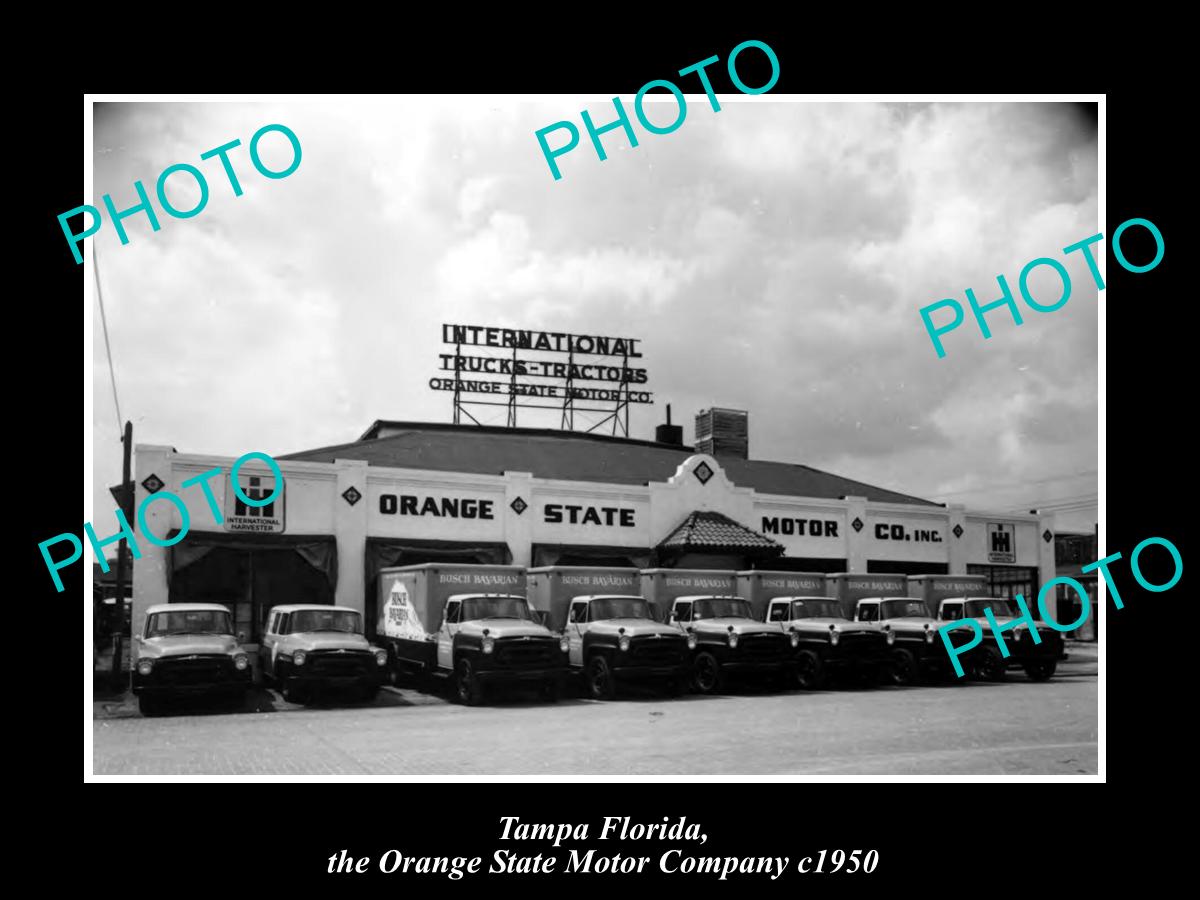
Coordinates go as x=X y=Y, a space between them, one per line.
x=946 y=837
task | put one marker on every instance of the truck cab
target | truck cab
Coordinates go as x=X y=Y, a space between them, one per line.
x=729 y=641
x=614 y=637
x=827 y=642
x=310 y=647
x=1040 y=661
x=914 y=651
x=188 y=649
x=491 y=638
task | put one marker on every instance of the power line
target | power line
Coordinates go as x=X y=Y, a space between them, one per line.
x=107 y=347
x=996 y=487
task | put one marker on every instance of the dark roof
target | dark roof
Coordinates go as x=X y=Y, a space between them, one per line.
x=576 y=456
x=714 y=531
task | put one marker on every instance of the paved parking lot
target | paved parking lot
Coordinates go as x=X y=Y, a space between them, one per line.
x=1014 y=728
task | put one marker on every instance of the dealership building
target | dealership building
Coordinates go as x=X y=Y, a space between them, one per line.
x=409 y=492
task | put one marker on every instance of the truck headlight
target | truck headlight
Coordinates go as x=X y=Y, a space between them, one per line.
x=691 y=642
x=240 y=662
x=145 y=666
x=834 y=637
x=489 y=644
x=623 y=642
x=929 y=637
x=733 y=639
x=381 y=657
x=891 y=636
x=564 y=645
x=795 y=639
x=298 y=658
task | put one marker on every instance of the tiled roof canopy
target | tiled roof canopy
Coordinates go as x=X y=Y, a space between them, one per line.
x=714 y=532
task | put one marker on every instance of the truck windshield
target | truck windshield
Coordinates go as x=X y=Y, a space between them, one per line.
x=902 y=609
x=495 y=608
x=205 y=621
x=998 y=605
x=814 y=609
x=339 y=620
x=721 y=608
x=620 y=608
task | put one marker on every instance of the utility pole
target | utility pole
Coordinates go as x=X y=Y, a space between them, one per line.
x=125 y=501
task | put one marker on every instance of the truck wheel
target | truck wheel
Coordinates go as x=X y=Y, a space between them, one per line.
x=904 y=667
x=292 y=692
x=466 y=684
x=600 y=681
x=149 y=706
x=1041 y=670
x=552 y=690
x=707 y=674
x=991 y=665
x=809 y=671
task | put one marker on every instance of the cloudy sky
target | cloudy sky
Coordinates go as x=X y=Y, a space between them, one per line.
x=772 y=257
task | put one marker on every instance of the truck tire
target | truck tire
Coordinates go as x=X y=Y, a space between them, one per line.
x=905 y=670
x=991 y=665
x=810 y=673
x=467 y=689
x=552 y=690
x=706 y=674
x=1041 y=670
x=601 y=683
x=292 y=692
x=149 y=706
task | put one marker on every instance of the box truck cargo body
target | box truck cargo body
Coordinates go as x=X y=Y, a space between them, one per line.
x=471 y=623
x=933 y=589
x=760 y=586
x=551 y=588
x=662 y=586
x=850 y=587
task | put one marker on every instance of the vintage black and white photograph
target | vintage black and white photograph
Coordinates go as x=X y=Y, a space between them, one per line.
x=734 y=434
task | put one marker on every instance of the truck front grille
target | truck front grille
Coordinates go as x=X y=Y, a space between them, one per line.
x=527 y=653
x=193 y=670
x=764 y=647
x=334 y=663
x=656 y=651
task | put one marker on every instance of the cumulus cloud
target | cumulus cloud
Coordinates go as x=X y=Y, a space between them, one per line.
x=772 y=256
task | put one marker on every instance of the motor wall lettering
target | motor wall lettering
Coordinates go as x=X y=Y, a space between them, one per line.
x=814 y=527
x=557 y=513
x=444 y=507
x=886 y=532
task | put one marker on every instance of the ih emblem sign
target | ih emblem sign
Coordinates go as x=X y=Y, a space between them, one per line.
x=242 y=517
x=1002 y=543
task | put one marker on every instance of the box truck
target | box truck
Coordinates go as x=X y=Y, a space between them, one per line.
x=728 y=640
x=611 y=634
x=958 y=597
x=470 y=624
x=828 y=642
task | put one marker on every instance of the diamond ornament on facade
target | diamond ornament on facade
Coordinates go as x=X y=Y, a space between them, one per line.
x=958 y=531
x=153 y=483
x=351 y=495
x=703 y=472
x=857 y=524
x=518 y=506
x=1047 y=536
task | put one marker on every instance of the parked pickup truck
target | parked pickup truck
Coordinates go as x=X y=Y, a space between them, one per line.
x=985 y=661
x=827 y=642
x=612 y=638
x=469 y=624
x=916 y=648
x=309 y=647
x=729 y=641
x=188 y=649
